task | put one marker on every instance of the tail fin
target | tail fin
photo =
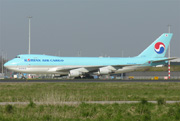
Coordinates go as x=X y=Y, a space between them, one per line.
x=159 y=47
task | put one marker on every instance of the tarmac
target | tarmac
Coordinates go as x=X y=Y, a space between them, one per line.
x=80 y=81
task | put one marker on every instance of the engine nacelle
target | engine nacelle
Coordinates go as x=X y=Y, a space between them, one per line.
x=159 y=65
x=74 y=73
x=104 y=71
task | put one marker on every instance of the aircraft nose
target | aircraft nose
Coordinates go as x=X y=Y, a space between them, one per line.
x=6 y=64
x=10 y=65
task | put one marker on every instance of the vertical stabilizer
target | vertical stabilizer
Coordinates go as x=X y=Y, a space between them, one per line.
x=158 y=48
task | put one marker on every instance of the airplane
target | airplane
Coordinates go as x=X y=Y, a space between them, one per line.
x=153 y=55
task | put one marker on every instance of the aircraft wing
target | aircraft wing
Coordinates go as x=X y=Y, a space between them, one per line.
x=87 y=69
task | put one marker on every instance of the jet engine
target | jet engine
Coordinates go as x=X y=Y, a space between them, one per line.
x=104 y=71
x=75 y=73
x=159 y=65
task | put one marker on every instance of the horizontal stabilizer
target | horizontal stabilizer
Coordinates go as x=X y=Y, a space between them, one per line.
x=164 y=60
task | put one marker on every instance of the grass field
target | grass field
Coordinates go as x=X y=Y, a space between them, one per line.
x=97 y=112
x=55 y=92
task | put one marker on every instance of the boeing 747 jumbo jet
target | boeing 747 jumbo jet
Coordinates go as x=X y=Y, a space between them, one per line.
x=153 y=55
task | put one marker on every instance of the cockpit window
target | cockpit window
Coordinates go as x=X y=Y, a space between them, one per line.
x=18 y=56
